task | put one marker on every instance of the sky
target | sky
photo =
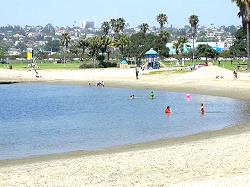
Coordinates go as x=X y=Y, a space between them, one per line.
x=135 y=12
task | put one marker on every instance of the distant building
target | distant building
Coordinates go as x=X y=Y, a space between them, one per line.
x=90 y=25
x=217 y=46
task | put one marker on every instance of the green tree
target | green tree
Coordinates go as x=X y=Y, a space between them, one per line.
x=105 y=28
x=139 y=44
x=94 y=45
x=106 y=45
x=239 y=48
x=160 y=44
x=52 y=45
x=206 y=51
x=244 y=6
x=144 y=27
x=117 y=26
x=82 y=45
x=122 y=43
x=1 y=54
x=121 y=24
x=193 y=20
x=65 y=40
x=162 y=19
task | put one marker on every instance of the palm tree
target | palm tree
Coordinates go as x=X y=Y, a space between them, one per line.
x=82 y=44
x=122 y=43
x=244 y=6
x=162 y=19
x=193 y=20
x=106 y=44
x=65 y=39
x=105 y=27
x=121 y=24
x=115 y=28
x=179 y=45
x=94 y=44
x=144 y=27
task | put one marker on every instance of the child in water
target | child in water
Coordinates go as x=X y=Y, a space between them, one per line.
x=132 y=96
x=168 y=110
x=202 y=109
x=152 y=95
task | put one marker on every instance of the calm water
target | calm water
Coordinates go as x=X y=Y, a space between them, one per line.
x=37 y=119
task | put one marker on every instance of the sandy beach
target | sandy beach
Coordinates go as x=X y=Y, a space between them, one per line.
x=220 y=158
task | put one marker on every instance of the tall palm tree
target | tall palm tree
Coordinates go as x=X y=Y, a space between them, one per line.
x=244 y=6
x=193 y=20
x=121 y=24
x=162 y=19
x=117 y=25
x=65 y=40
x=105 y=27
x=83 y=45
x=144 y=27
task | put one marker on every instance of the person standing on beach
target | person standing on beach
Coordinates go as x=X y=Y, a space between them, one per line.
x=137 y=73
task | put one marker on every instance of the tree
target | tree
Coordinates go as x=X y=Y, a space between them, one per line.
x=162 y=19
x=193 y=20
x=82 y=45
x=139 y=44
x=105 y=28
x=144 y=27
x=106 y=44
x=179 y=45
x=1 y=54
x=117 y=26
x=121 y=24
x=94 y=45
x=244 y=6
x=161 y=41
x=207 y=51
x=65 y=39
x=52 y=45
x=122 y=43
x=239 y=48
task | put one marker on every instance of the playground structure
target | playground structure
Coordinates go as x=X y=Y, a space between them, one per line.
x=152 y=58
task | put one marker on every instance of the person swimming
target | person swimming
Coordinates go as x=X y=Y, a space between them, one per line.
x=152 y=95
x=132 y=96
x=202 y=109
x=168 y=110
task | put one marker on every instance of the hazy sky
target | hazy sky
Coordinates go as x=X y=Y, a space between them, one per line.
x=135 y=12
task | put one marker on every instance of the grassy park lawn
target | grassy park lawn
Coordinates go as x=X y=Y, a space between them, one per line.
x=238 y=65
x=43 y=66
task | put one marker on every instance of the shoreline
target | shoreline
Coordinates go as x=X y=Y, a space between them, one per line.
x=215 y=157
x=227 y=131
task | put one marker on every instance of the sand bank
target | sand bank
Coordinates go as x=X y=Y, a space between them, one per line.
x=220 y=158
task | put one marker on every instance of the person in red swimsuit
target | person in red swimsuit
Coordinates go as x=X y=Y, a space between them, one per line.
x=168 y=110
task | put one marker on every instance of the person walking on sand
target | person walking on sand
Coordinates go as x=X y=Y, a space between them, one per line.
x=137 y=73
x=235 y=74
